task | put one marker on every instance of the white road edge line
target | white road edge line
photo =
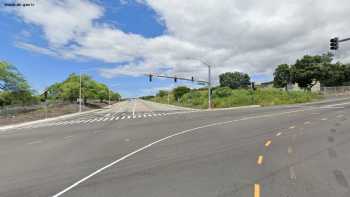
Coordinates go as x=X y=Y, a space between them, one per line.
x=164 y=139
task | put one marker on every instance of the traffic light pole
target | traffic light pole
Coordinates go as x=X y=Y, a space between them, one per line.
x=209 y=86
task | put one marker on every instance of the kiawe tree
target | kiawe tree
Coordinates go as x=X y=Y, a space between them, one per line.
x=307 y=71
x=282 y=76
x=234 y=80
x=13 y=87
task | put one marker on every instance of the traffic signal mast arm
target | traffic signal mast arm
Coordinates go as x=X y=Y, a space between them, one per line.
x=175 y=78
x=343 y=40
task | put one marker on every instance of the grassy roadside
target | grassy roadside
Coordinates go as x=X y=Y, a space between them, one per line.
x=226 y=97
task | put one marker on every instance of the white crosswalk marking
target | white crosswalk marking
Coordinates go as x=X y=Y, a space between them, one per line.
x=117 y=118
x=112 y=118
x=123 y=117
x=129 y=117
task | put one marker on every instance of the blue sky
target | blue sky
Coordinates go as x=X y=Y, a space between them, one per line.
x=42 y=70
x=118 y=41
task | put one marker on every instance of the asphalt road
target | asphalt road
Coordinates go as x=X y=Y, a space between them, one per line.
x=159 y=150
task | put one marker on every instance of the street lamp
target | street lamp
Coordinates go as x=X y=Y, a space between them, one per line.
x=109 y=94
x=209 y=78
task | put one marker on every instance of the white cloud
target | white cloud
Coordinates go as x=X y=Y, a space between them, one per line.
x=249 y=36
x=34 y=48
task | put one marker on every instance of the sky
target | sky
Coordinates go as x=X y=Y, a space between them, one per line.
x=117 y=42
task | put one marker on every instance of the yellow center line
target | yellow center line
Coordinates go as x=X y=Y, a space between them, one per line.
x=260 y=159
x=256 y=190
x=268 y=143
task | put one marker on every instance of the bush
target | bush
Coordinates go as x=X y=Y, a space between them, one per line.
x=222 y=92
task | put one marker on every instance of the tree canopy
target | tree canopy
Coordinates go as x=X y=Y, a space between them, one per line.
x=180 y=91
x=282 y=76
x=234 y=80
x=14 y=89
x=311 y=69
x=69 y=89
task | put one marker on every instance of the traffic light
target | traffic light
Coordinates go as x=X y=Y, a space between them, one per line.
x=192 y=79
x=334 y=43
x=150 y=78
x=175 y=79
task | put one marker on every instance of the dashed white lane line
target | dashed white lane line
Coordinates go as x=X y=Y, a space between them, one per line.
x=162 y=140
x=68 y=137
x=292 y=173
x=307 y=122
x=324 y=119
x=292 y=127
x=278 y=134
x=35 y=142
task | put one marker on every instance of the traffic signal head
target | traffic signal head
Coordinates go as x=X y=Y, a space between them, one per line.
x=192 y=79
x=150 y=78
x=175 y=79
x=334 y=43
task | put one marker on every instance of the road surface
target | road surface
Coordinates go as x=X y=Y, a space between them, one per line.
x=139 y=148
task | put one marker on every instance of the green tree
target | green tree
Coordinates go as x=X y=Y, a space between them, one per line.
x=282 y=76
x=180 y=91
x=234 y=80
x=102 y=92
x=11 y=79
x=333 y=74
x=307 y=70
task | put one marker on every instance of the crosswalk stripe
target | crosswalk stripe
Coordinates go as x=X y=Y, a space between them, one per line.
x=112 y=118
x=117 y=118
x=123 y=117
x=129 y=117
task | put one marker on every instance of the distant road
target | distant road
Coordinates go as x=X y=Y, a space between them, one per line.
x=146 y=149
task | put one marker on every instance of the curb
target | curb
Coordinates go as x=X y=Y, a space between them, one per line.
x=46 y=120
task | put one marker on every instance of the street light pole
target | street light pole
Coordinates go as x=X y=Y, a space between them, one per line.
x=80 y=93
x=209 y=86
x=209 y=80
